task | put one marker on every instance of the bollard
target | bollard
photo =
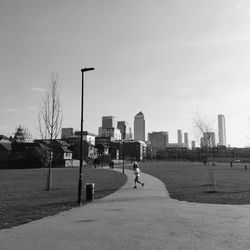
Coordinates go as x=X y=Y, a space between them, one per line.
x=90 y=191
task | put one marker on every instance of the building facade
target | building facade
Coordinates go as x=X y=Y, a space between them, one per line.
x=110 y=132
x=87 y=136
x=109 y=122
x=179 y=136
x=186 y=142
x=66 y=132
x=133 y=150
x=72 y=137
x=124 y=129
x=109 y=128
x=208 y=139
x=139 y=127
x=158 y=140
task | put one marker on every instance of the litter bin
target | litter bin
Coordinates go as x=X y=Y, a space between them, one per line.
x=90 y=191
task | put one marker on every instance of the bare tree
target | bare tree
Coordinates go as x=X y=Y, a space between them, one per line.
x=203 y=126
x=50 y=119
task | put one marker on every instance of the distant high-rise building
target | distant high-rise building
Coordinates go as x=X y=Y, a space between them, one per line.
x=130 y=137
x=186 y=142
x=193 y=144
x=158 y=140
x=66 y=132
x=179 y=135
x=109 y=122
x=208 y=139
x=110 y=132
x=109 y=128
x=222 y=130
x=124 y=128
x=139 y=127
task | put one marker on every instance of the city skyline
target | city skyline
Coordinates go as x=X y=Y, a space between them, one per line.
x=177 y=59
x=111 y=125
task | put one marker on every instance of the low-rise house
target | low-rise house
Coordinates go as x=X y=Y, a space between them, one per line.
x=5 y=150
x=89 y=151
x=61 y=153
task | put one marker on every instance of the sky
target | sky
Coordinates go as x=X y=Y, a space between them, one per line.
x=170 y=59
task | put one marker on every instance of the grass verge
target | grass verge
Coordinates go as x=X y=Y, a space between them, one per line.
x=189 y=181
x=23 y=197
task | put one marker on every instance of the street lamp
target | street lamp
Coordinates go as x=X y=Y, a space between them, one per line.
x=123 y=152
x=80 y=168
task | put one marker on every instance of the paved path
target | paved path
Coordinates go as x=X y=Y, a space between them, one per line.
x=142 y=218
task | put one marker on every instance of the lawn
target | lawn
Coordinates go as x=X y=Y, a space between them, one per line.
x=190 y=181
x=23 y=197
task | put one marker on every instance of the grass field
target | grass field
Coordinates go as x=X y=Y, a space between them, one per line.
x=23 y=197
x=190 y=181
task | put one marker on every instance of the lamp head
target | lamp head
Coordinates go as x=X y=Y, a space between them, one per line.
x=87 y=69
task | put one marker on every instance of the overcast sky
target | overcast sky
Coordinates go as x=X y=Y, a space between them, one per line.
x=169 y=59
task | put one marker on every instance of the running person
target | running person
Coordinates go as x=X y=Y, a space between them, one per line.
x=137 y=175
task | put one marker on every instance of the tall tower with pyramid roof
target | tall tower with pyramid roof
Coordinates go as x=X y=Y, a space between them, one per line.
x=139 y=127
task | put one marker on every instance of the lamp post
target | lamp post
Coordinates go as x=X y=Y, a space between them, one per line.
x=123 y=152
x=80 y=168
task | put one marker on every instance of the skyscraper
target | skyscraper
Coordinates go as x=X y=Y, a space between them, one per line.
x=139 y=127
x=109 y=128
x=186 y=142
x=130 y=135
x=222 y=130
x=179 y=135
x=124 y=128
x=109 y=122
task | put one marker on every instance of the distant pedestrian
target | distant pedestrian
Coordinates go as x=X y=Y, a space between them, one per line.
x=245 y=167
x=134 y=165
x=111 y=164
x=137 y=175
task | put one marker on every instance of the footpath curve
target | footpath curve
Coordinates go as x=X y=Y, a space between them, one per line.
x=142 y=218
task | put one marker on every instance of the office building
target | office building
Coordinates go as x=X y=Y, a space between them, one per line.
x=66 y=132
x=124 y=129
x=109 y=122
x=139 y=127
x=104 y=141
x=158 y=140
x=222 y=130
x=72 y=137
x=110 y=132
x=135 y=150
x=86 y=136
x=208 y=139
x=109 y=128
x=179 y=136
x=186 y=142
x=130 y=136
